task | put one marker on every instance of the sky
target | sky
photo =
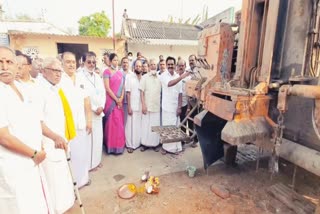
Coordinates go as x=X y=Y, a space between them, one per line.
x=66 y=13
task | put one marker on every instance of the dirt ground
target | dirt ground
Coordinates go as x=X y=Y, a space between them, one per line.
x=181 y=194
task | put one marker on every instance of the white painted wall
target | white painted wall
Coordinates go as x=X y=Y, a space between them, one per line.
x=153 y=51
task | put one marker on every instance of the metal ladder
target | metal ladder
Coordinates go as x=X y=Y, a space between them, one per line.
x=171 y=134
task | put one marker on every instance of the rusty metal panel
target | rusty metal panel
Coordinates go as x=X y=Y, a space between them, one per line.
x=222 y=108
x=269 y=41
x=252 y=106
x=215 y=48
x=248 y=40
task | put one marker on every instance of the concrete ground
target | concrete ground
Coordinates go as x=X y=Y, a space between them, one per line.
x=128 y=168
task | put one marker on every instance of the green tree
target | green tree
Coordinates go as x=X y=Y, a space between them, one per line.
x=97 y=24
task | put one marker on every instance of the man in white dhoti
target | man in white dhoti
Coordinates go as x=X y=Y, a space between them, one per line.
x=55 y=166
x=133 y=125
x=150 y=91
x=93 y=83
x=171 y=102
x=21 y=186
x=72 y=84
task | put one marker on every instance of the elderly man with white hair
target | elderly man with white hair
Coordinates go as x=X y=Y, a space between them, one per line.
x=57 y=116
x=150 y=92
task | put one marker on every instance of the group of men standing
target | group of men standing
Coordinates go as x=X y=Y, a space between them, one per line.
x=154 y=99
x=46 y=121
x=42 y=122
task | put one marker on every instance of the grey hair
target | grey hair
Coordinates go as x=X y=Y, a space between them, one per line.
x=153 y=60
x=47 y=62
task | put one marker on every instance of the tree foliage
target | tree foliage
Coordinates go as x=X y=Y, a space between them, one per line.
x=97 y=24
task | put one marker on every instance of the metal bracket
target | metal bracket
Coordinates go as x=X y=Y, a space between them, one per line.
x=282 y=98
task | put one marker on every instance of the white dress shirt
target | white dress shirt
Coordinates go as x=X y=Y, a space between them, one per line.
x=170 y=95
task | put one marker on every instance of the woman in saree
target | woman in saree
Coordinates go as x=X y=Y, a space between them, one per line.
x=114 y=137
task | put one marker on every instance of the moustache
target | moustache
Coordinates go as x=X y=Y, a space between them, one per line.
x=5 y=72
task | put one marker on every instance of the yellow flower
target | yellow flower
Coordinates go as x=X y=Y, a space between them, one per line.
x=132 y=188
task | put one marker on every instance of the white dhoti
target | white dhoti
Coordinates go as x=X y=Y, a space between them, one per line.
x=59 y=180
x=21 y=187
x=133 y=130
x=96 y=140
x=170 y=118
x=149 y=138
x=80 y=156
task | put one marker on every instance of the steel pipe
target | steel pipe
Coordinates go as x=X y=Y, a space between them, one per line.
x=300 y=155
x=307 y=91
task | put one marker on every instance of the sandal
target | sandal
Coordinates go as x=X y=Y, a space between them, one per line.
x=157 y=148
x=143 y=148
x=163 y=152
x=129 y=150
x=194 y=145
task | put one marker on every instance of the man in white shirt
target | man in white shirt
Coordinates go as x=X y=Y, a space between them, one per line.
x=24 y=69
x=171 y=102
x=105 y=63
x=22 y=188
x=150 y=90
x=93 y=83
x=145 y=67
x=55 y=166
x=186 y=107
x=133 y=125
x=162 y=67
x=72 y=84
x=126 y=70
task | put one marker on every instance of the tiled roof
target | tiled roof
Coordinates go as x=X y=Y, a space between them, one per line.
x=144 y=29
x=30 y=27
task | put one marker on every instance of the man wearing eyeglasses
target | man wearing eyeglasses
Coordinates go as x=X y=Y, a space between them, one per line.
x=24 y=68
x=54 y=142
x=171 y=101
x=97 y=94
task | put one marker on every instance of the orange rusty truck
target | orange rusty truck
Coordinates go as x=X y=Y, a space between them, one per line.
x=257 y=81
